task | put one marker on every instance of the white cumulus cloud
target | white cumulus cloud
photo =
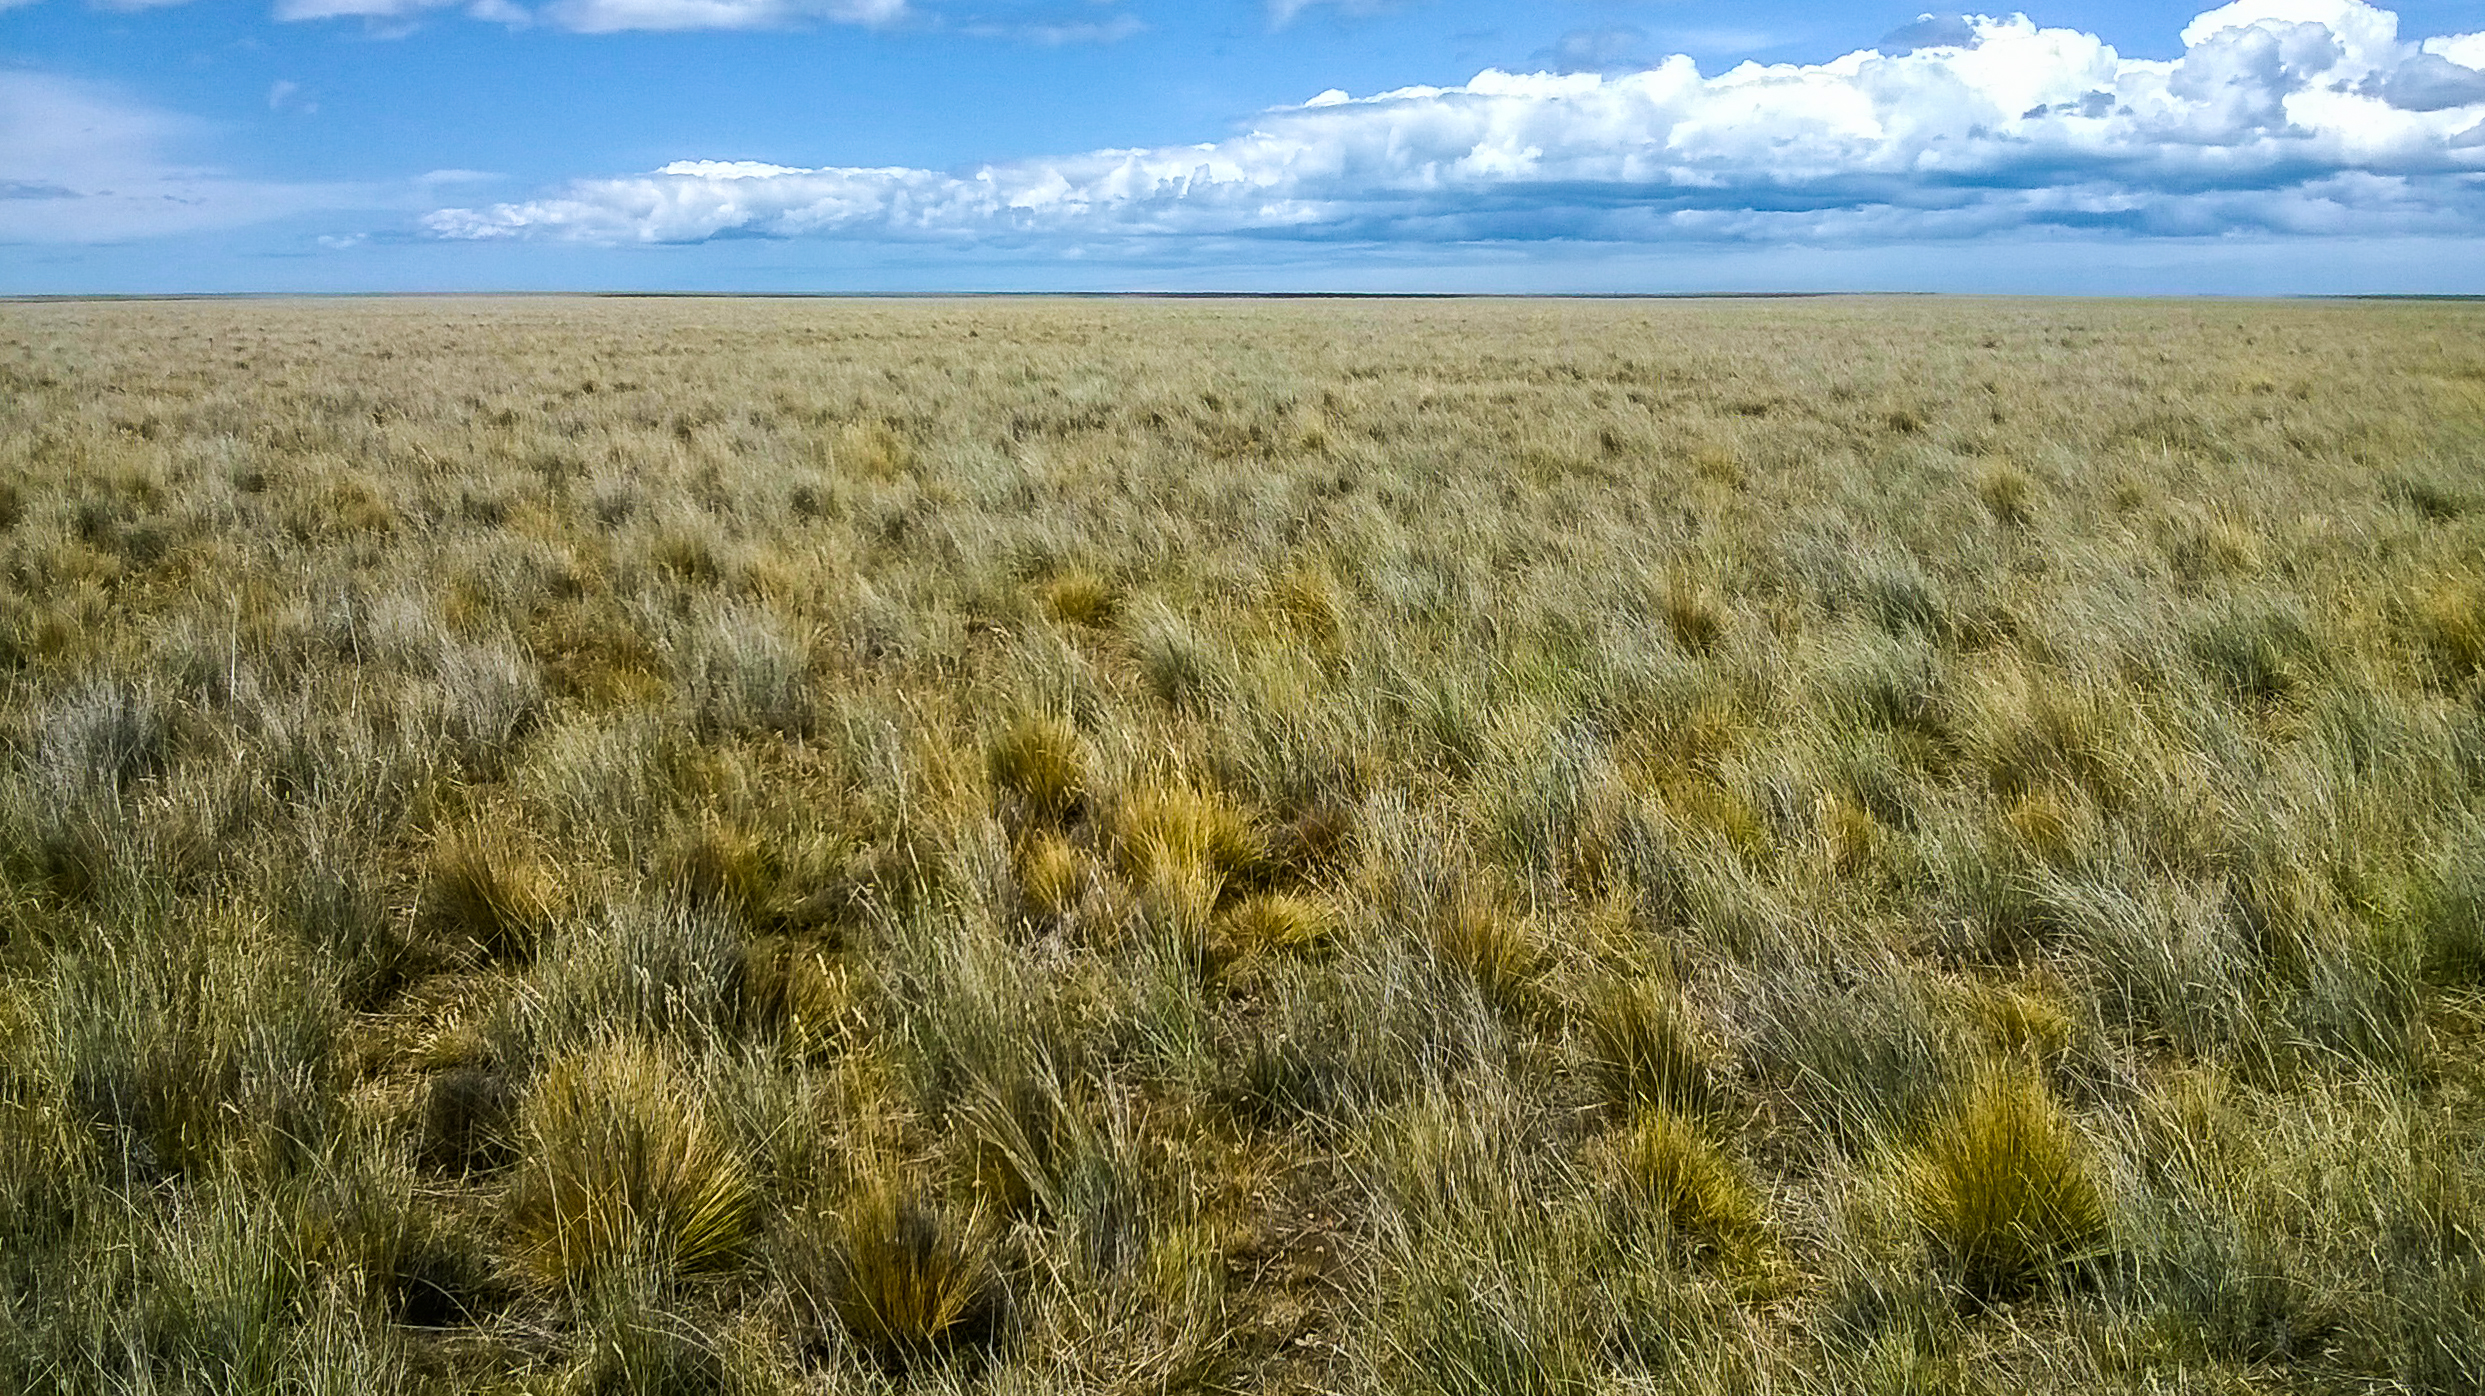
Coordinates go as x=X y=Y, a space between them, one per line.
x=2287 y=116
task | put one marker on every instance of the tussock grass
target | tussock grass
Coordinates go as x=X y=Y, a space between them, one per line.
x=622 y=1167
x=1664 y=1164
x=488 y=891
x=718 y=846
x=2001 y=1185
x=1645 y=1052
x=1035 y=760
x=1080 y=596
x=906 y=1283
x=1476 y=933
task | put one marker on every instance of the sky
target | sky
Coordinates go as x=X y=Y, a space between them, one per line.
x=1592 y=146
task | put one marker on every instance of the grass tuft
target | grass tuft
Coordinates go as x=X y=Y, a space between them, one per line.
x=623 y=1167
x=2002 y=1187
x=1185 y=842
x=907 y=1283
x=1476 y=933
x=1694 y=617
x=1666 y=1166
x=1281 y=921
x=1081 y=596
x=1308 y=602
x=1644 y=1052
x=488 y=891
x=1053 y=874
x=2450 y=625
x=2008 y=495
x=1035 y=760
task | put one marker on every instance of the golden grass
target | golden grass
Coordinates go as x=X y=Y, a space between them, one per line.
x=2003 y=1187
x=621 y=1166
x=908 y=1283
x=1662 y=1162
x=489 y=891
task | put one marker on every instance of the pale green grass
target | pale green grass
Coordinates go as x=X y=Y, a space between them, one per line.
x=709 y=846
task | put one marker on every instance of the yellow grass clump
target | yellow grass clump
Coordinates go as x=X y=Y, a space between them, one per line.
x=621 y=1165
x=907 y=1282
x=489 y=890
x=2003 y=1188
x=1664 y=1164
x=1035 y=759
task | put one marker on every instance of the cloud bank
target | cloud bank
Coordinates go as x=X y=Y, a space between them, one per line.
x=2281 y=116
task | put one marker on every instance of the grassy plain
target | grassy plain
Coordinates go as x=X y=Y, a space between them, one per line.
x=708 y=846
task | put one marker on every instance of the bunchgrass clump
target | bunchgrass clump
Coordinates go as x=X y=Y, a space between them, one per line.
x=1644 y=1051
x=1694 y=618
x=1181 y=836
x=1666 y=1168
x=904 y=1281
x=2008 y=494
x=488 y=892
x=2003 y=1188
x=621 y=1165
x=1036 y=760
x=1479 y=935
x=1281 y=920
x=1307 y=601
x=1080 y=596
x=1053 y=874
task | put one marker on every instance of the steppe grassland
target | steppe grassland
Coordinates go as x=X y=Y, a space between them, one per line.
x=1430 y=846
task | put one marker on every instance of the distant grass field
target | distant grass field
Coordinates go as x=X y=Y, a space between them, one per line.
x=1456 y=847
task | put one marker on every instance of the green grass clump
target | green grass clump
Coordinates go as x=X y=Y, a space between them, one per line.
x=2003 y=1188
x=1184 y=844
x=622 y=1166
x=717 y=866
x=1644 y=1051
x=1281 y=921
x=2008 y=494
x=1695 y=618
x=1308 y=602
x=1053 y=873
x=2449 y=621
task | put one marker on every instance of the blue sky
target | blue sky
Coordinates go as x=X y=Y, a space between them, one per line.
x=1559 y=145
